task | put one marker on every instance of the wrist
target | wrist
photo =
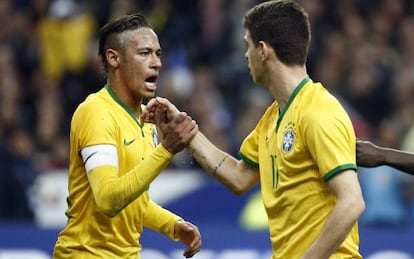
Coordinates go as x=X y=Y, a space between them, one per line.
x=176 y=226
x=163 y=151
x=385 y=156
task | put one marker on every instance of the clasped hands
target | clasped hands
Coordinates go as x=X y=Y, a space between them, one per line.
x=176 y=129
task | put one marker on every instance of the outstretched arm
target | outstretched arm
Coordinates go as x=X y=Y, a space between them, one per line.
x=235 y=174
x=370 y=155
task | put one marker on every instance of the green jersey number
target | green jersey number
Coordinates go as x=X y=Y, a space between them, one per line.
x=275 y=172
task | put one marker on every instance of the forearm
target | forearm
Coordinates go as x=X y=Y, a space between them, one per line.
x=337 y=227
x=234 y=174
x=113 y=192
x=221 y=165
x=207 y=154
x=161 y=220
x=403 y=161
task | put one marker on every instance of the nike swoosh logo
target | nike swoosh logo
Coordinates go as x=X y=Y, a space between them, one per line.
x=86 y=160
x=127 y=143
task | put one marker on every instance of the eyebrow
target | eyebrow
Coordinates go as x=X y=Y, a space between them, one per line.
x=149 y=49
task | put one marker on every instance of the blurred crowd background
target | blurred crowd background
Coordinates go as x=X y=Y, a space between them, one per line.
x=362 y=51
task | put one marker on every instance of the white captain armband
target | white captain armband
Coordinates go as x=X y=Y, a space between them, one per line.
x=99 y=155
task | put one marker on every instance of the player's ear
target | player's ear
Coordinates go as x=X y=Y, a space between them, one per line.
x=263 y=50
x=113 y=57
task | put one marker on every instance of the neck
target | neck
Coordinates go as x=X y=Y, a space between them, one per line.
x=127 y=98
x=284 y=82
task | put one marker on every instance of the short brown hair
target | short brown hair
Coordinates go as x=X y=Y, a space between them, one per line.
x=284 y=25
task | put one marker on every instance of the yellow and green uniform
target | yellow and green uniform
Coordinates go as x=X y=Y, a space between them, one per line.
x=297 y=150
x=103 y=119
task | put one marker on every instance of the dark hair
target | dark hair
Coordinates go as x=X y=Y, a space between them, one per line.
x=284 y=25
x=108 y=33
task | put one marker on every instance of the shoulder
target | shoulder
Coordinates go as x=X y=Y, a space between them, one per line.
x=97 y=107
x=98 y=101
x=320 y=108
x=317 y=101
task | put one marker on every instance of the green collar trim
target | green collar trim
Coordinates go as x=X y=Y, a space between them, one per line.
x=126 y=108
x=291 y=98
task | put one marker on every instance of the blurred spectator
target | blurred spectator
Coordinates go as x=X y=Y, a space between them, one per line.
x=76 y=85
x=64 y=36
x=213 y=39
x=367 y=89
x=17 y=175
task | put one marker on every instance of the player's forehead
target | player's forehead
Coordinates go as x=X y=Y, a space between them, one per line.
x=247 y=38
x=143 y=37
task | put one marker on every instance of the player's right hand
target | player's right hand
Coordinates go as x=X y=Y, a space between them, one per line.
x=176 y=133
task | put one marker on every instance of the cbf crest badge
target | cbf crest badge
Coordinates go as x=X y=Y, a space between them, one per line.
x=288 y=140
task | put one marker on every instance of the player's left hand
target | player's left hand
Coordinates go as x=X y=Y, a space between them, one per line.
x=189 y=234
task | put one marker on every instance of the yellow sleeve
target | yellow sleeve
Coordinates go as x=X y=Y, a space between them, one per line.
x=112 y=193
x=161 y=220
x=332 y=139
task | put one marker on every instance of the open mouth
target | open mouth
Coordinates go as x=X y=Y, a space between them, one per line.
x=150 y=83
x=151 y=79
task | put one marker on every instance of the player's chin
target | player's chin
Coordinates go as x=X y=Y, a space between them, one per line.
x=149 y=94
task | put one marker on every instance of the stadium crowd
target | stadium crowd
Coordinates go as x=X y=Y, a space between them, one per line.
x=362 y=51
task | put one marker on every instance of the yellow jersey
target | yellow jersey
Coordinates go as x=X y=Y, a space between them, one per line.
x=297 y=150
x=103 y=119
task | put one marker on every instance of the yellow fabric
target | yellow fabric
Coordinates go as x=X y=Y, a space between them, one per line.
x=297 y=151
x=89 y=233
x=160 y=219
x=65 y=43
x=107 y=185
